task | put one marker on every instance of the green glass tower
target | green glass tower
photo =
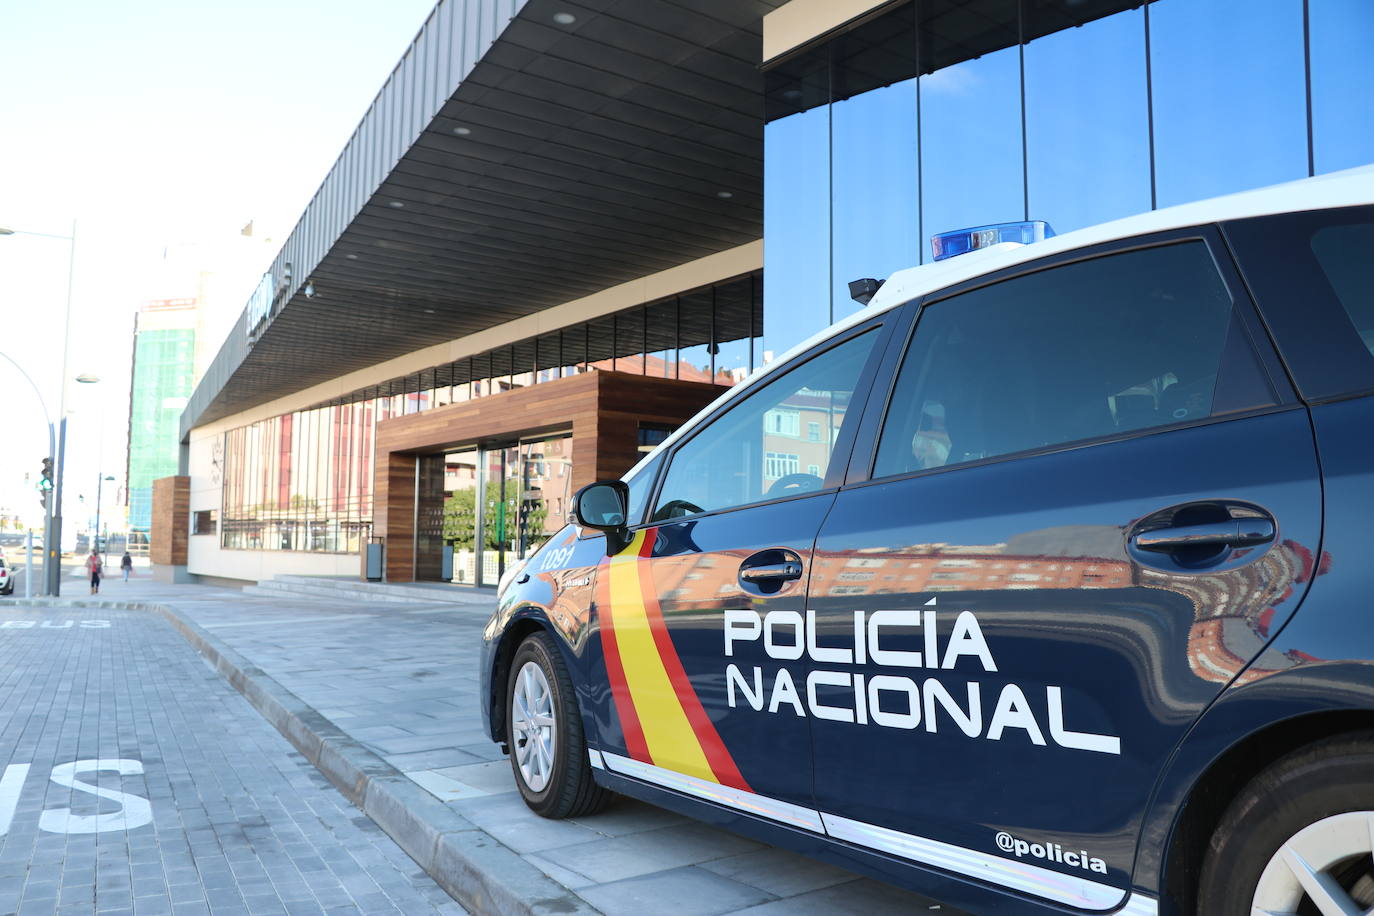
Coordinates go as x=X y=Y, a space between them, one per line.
x=163 y=379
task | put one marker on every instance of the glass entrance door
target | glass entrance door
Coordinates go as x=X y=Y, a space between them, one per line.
x=500 y=504
x=461 y=485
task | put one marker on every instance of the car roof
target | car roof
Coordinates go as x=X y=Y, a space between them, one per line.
x=1348 y=188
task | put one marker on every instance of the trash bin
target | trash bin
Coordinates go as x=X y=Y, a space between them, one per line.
x=373 y=560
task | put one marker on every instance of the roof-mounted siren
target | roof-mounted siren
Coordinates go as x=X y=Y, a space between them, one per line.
x=862 y=291
x=962 y=241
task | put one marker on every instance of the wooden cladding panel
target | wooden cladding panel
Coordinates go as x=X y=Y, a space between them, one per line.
x=603 y=410
x=171 y=521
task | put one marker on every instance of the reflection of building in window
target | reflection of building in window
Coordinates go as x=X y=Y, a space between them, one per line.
x=783 y=422
x=779 y=464
x=814 y=470
x=813 y=432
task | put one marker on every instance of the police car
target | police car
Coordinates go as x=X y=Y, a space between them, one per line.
x=1041 y=584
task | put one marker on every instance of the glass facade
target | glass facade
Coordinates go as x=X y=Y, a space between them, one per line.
x=303 y=481
x=163 y=377
x=945 y=114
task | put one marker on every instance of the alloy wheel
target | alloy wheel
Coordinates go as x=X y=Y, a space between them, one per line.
x=533 y=726
x=1325 y=869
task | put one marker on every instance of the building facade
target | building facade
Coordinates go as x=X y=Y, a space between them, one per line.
x=163 y=377
x=562 y=229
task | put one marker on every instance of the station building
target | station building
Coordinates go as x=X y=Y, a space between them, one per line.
x=564 y=227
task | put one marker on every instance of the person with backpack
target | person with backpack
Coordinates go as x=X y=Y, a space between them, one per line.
x=127 y=564
x=94 y=567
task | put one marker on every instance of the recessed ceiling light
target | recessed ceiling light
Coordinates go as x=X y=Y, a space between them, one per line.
x=351 y=257
x=429 y=311
x=462 y=131
x=724 y=195
x=564 y=18
x=791 y=94
x=397 y=204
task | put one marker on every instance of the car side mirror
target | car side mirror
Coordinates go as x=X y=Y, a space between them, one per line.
x=603 y=506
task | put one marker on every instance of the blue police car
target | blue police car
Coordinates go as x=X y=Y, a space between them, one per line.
x=1038 y=585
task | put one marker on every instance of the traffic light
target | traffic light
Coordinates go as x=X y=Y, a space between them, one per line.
x=45 y=482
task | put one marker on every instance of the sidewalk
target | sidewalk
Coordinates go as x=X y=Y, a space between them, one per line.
x=382 y=698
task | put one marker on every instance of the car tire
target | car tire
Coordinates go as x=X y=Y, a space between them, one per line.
x=548 y=752
x=1311 y=813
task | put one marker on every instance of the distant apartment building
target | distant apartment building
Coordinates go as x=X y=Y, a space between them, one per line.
x=164 y=375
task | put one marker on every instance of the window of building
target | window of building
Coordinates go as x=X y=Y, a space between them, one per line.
x=1226 y=75
x=779 y=464
x=205 y=521
x=1095 y=348
x=651 y=435
x=783 y=422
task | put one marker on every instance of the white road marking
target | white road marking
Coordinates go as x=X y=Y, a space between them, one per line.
x=134 y=813
x=11 y=784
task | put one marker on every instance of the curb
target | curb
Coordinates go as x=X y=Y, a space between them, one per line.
x=472 y=866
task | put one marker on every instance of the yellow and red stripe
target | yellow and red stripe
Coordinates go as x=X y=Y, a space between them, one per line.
x=660 y=713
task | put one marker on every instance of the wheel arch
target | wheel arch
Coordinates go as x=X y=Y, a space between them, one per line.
x=1223 y=767
x=524 y=622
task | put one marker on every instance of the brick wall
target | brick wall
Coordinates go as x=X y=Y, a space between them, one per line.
x=171 y=521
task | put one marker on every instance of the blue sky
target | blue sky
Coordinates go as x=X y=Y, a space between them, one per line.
x=161 y=128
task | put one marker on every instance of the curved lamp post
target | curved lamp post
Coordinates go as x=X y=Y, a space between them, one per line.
x=52 y=535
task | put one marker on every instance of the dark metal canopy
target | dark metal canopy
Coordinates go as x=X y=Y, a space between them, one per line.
x=571 y=156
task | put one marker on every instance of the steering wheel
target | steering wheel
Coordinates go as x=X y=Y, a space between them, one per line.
x=676 y=508
x=795 y=483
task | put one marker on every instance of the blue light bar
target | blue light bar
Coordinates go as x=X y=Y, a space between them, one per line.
x=962 y=241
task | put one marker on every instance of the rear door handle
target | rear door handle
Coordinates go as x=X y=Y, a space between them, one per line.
x=772 y=572
x=1240 y=532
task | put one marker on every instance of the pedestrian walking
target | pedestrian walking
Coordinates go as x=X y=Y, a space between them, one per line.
x=127 y=564
x=93 y=566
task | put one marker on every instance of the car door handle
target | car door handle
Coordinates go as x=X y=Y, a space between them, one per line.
x=772 y=572
x=1240 y=532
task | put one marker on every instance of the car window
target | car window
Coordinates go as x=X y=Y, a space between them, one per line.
x=774 y=442
x=1113 y=344
x=640 y=485
x=1343 y=253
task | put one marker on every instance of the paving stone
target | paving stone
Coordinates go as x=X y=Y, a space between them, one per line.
x=360 y=665
x=215 y=775
x=693 y=892
x=616 y=858
x=779 y=871
x=868 y=897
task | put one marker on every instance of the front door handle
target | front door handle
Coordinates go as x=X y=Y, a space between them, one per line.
x=772 y=572
x=1239 y=532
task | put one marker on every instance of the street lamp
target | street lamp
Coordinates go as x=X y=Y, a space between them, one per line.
x=52 y=450
x=95 y=545
x=52 y=534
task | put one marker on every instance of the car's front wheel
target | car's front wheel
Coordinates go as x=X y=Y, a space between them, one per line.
x=548 y=752
x=1299 y=838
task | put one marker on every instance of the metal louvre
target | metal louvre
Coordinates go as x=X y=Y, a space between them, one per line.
x=512 y=163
